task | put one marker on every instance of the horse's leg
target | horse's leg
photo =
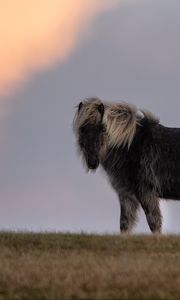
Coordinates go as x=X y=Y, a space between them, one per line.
x=129 y=206
x=150 y=205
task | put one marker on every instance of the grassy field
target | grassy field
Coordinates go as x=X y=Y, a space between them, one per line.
x=72 y=266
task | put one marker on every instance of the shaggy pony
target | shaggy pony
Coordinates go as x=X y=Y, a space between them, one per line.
x=140 y=156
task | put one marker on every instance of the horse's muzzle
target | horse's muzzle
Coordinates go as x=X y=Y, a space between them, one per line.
x=93 y=164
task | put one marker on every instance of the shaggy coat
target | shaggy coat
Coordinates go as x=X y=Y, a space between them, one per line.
x=140 y=156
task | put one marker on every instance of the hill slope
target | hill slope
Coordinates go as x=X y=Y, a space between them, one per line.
x=72 y=266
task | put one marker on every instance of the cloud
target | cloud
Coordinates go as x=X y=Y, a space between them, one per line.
x=36 y=34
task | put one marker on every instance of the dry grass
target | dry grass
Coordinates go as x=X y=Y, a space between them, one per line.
x=67 y=266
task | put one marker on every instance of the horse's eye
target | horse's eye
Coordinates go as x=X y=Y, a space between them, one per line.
x=102 y=128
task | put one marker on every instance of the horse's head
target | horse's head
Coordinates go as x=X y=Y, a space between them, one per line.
x=91 y=141
x=91 y=132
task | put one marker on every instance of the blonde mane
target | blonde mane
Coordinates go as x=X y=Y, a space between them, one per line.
x=120 y=120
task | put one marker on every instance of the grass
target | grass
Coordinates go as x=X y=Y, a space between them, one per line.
x=79 y=266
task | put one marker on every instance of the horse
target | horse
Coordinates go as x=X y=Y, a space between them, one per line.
x=140 y=156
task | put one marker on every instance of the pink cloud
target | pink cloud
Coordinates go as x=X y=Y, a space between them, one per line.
x=36 y=34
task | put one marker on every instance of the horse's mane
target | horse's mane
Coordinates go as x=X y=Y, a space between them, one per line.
x=119 y=119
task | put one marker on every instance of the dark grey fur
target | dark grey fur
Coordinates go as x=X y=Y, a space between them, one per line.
x=141 y=174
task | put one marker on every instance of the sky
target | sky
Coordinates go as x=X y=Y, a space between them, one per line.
x=54 y=54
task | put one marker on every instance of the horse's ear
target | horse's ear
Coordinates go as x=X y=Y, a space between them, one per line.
x=80 y=106
x=101 y=110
